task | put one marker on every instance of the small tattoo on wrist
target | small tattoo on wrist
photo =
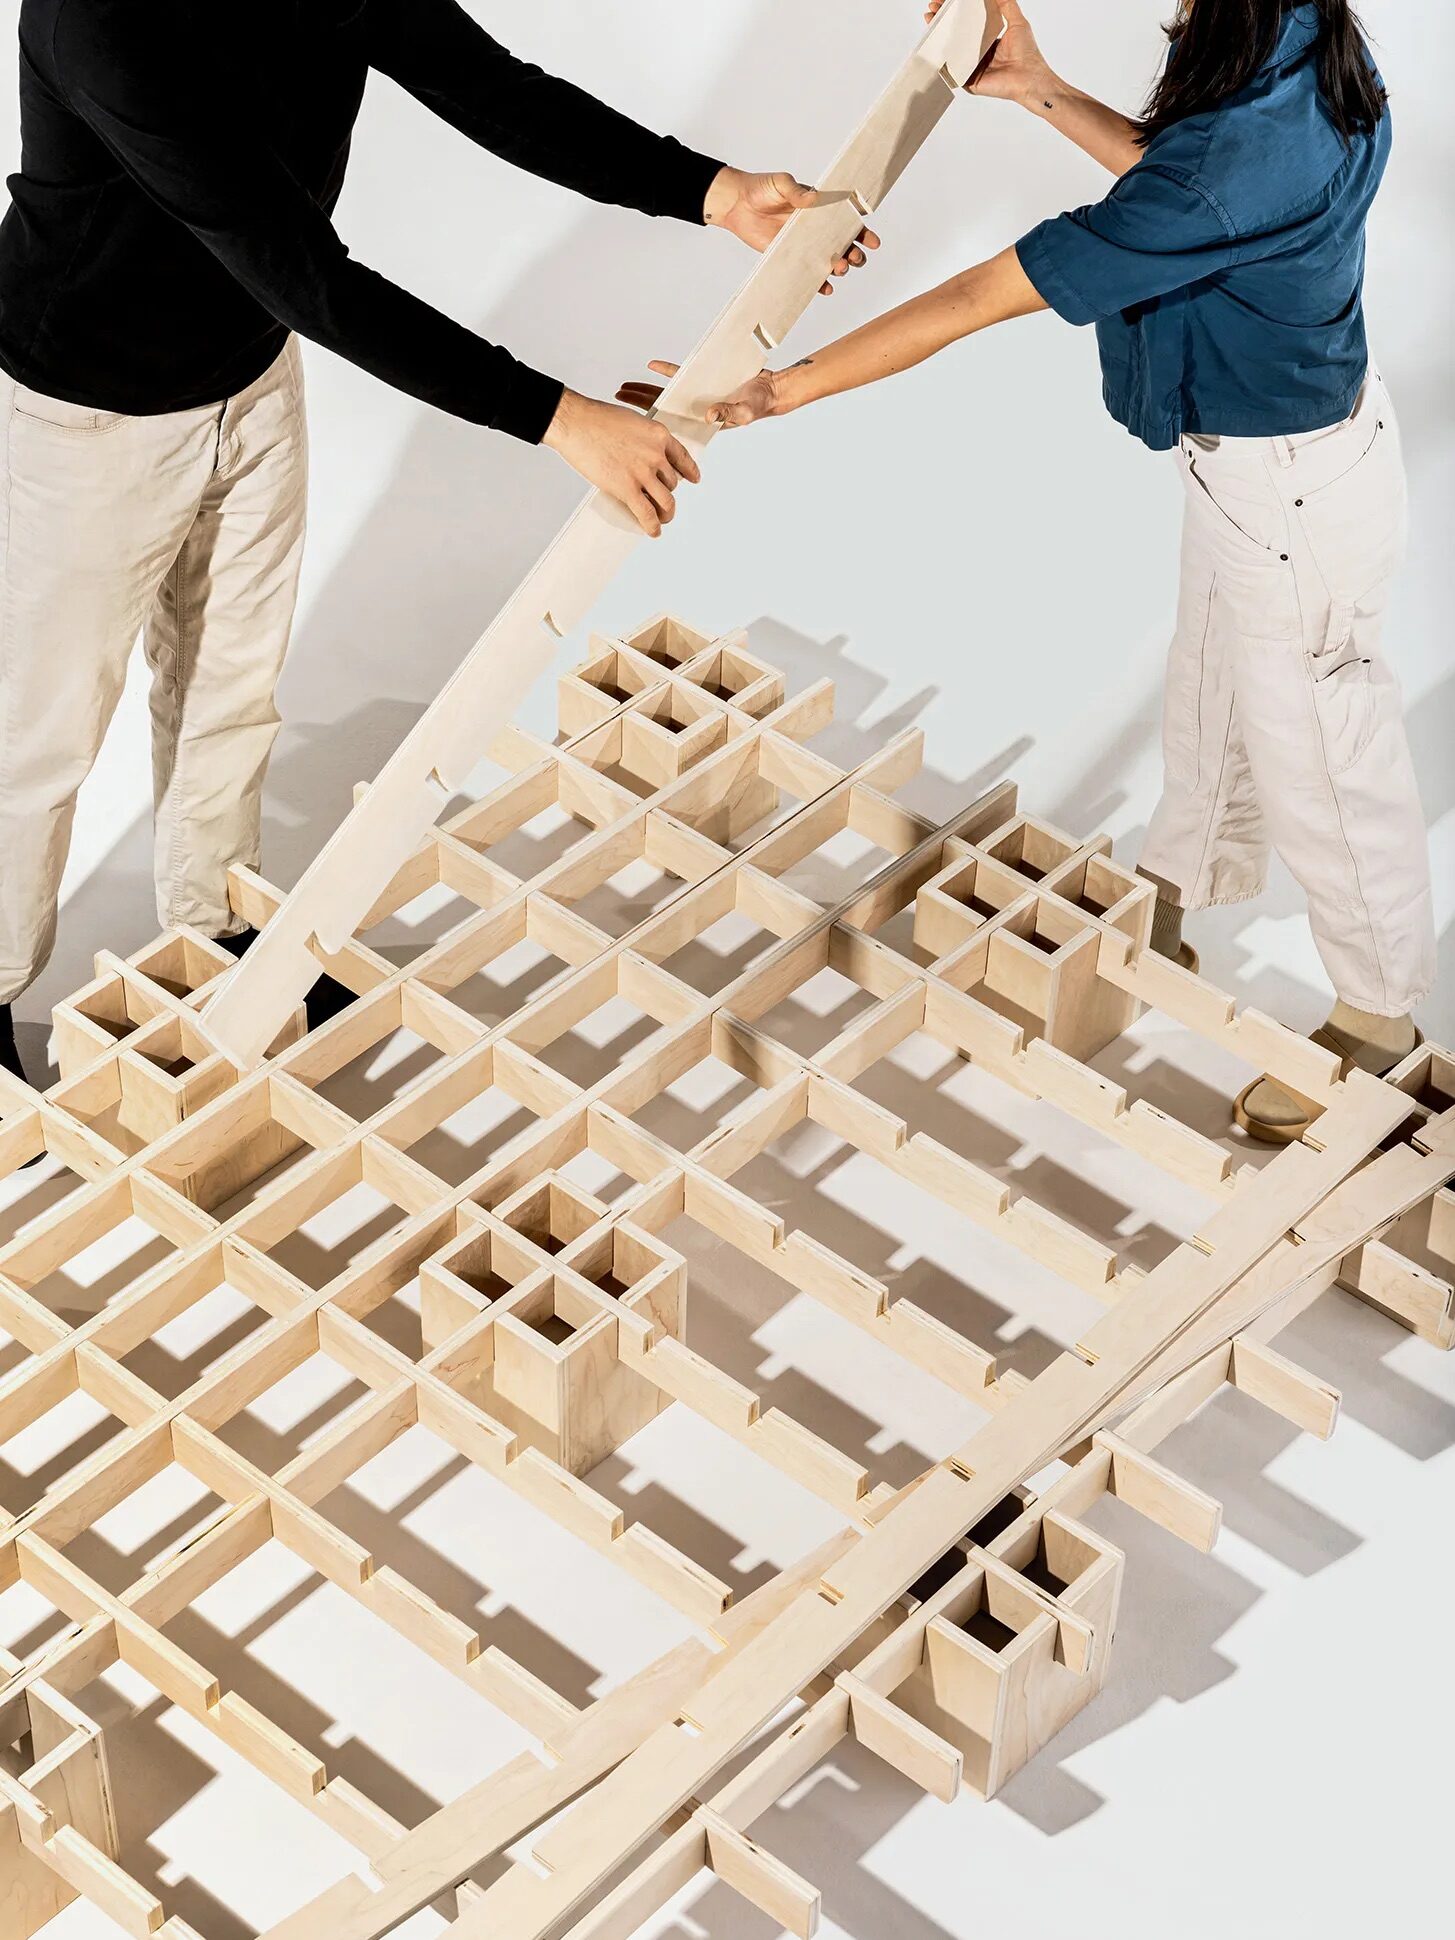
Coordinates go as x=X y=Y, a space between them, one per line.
x=801 y=363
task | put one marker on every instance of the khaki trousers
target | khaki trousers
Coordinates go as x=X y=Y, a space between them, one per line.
x=188 y=529
x=1282 y=723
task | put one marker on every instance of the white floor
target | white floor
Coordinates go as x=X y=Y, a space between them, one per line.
x=975 y=549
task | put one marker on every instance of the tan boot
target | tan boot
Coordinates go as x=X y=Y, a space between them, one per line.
x=1274 y=1115
x=1166 y=938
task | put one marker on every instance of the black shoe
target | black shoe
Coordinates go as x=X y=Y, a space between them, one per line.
x=10 y=1058
x=237 y=945
x=323 y=1002
x=9 y=1055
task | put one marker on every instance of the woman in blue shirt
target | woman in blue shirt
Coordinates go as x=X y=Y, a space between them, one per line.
x=1224 y=273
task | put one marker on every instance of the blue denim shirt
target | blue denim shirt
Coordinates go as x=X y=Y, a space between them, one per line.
x=1224 y=272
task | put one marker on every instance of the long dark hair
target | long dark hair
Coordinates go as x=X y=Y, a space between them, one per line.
x=1219 y=45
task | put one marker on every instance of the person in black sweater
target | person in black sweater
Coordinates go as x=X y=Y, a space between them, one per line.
x=169 y=227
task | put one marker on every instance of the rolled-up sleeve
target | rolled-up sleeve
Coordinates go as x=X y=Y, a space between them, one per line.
x=1158 y=230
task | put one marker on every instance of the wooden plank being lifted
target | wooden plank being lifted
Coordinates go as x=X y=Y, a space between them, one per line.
x=480 y=699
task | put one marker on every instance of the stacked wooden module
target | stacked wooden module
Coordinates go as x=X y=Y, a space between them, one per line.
x=617 y=914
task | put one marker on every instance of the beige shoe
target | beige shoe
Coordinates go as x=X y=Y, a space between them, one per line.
x=1184 y=956
x=1272 y=1114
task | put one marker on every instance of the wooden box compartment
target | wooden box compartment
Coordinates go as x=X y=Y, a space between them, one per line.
x=667 y=639
x=1038 y=967
x=957 y=903
x=551 y=1289
x=556 y=1378
x=183 y=962
x=54 y=1781
x=732 y=674
x=1033 y=849
x=668 y=732
x=164 y=1073
x=97 y=1019
x=1120 y=897
x=610 y=678
x=625 y=1264
x=466 y=1276
x=1012 y=1651
x=550 y=1213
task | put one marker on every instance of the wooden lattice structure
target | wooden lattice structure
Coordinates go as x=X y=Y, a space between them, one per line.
x=628 y=919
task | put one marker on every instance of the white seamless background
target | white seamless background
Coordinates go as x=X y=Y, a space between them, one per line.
x=976 y=548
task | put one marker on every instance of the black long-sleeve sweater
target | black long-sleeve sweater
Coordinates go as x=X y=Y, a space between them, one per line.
x=181 y=160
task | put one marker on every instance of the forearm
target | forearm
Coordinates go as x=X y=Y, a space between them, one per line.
x=991 y=292
x=300 y=272
x=134 y=77
x=1105 y=134
x=406 y=343
x=1018 y=71
x=536 y=120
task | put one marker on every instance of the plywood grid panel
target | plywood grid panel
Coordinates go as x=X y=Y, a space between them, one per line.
x=587 y=993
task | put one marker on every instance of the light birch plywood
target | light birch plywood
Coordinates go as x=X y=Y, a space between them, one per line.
x=553 y=1321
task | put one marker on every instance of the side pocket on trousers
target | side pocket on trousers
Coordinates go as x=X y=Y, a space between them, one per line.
x=1343 y=690
x=1355 y=524
x=57 y=414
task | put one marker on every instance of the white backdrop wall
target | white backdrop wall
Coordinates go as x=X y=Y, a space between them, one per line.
x=975 y=546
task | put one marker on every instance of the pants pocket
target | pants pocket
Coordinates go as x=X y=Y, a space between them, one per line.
x=1355 y=524
x=1344 y=700
x=1243 y=530
x=1250 y=516
x=1343 y=689
x=58 y=414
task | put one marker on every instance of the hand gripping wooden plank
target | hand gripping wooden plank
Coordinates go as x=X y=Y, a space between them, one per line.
x=481 y=697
